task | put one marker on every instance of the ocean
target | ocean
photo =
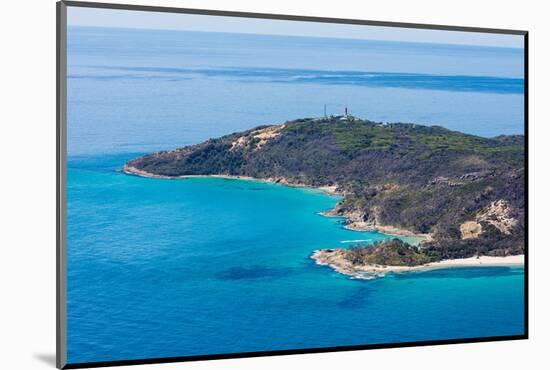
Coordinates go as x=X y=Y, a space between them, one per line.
x=161 y=268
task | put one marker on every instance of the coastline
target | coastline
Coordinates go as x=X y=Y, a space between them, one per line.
x=352 y=223
x=334 y=259
x=388 y=230
x=331 y=190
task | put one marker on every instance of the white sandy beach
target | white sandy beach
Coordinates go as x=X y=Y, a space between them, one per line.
x=336 y=261
x=481 y=261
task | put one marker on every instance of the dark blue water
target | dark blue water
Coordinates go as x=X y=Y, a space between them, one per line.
x=161 y=268
x=305 y=76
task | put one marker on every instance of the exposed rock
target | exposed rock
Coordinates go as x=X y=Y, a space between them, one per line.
x=445 y=181
x=257 y=138
x=498 y=214
x=470 y=229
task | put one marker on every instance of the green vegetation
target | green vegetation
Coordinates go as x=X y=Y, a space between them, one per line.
x=421 y=178
x=393 y=252
x=355 y=137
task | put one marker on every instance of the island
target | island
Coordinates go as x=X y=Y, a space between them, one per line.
x=462 y=196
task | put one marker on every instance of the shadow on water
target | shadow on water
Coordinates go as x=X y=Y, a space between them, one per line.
x=359 y=298
x=462 y=273
x=253 y=272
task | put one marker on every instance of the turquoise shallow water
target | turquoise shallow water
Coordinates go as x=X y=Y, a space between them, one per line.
x=202 y=266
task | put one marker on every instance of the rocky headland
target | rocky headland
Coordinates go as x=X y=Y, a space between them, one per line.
x=463 y=195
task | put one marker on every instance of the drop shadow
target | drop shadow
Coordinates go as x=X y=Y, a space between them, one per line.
x=46 y=358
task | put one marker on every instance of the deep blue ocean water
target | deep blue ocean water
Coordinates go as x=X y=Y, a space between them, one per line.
x=160 y=268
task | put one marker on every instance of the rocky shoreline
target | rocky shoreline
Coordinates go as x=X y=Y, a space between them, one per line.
x=353 y=221
x=336 y=259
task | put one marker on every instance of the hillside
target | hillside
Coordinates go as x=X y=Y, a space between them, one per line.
x=466 y=192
